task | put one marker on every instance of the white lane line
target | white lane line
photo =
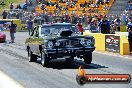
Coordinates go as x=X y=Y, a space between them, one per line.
x=114 y=54
x=7 y=82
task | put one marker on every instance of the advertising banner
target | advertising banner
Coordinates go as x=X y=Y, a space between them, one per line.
x=112 y=43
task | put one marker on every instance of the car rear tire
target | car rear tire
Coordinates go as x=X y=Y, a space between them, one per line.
x=44 y=59
x=31 y=56
x=88 y=58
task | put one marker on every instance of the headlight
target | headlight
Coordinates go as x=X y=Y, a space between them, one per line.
x=58 y=43
x=50 y=44
x=88 y=42
x=82 y=42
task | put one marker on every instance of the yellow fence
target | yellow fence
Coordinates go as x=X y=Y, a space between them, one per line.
x=100 y=42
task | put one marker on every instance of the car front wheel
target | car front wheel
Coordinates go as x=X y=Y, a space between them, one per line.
x=44 y=59
x=88 y=58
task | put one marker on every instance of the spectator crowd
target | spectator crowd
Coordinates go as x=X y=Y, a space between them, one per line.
x=96 y=22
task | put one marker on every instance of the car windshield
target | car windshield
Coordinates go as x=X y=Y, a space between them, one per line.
x=55 y=29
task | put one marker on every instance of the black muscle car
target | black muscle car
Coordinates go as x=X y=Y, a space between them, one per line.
x=59 y=40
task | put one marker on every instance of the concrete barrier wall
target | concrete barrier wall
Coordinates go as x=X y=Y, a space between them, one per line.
x=124 y=45
x=100 y=42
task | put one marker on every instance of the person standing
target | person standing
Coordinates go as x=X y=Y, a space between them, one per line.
x=4 y=14
x=12 y=31
x=30 y=26
x=105 y=26
x=129 y=28
x=118 y=23
x=11 y=6
x=124 y=19
x=92 y=26
x=17 y=15
x=79 y=26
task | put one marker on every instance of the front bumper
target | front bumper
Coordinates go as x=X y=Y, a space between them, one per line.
x=61 y=52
